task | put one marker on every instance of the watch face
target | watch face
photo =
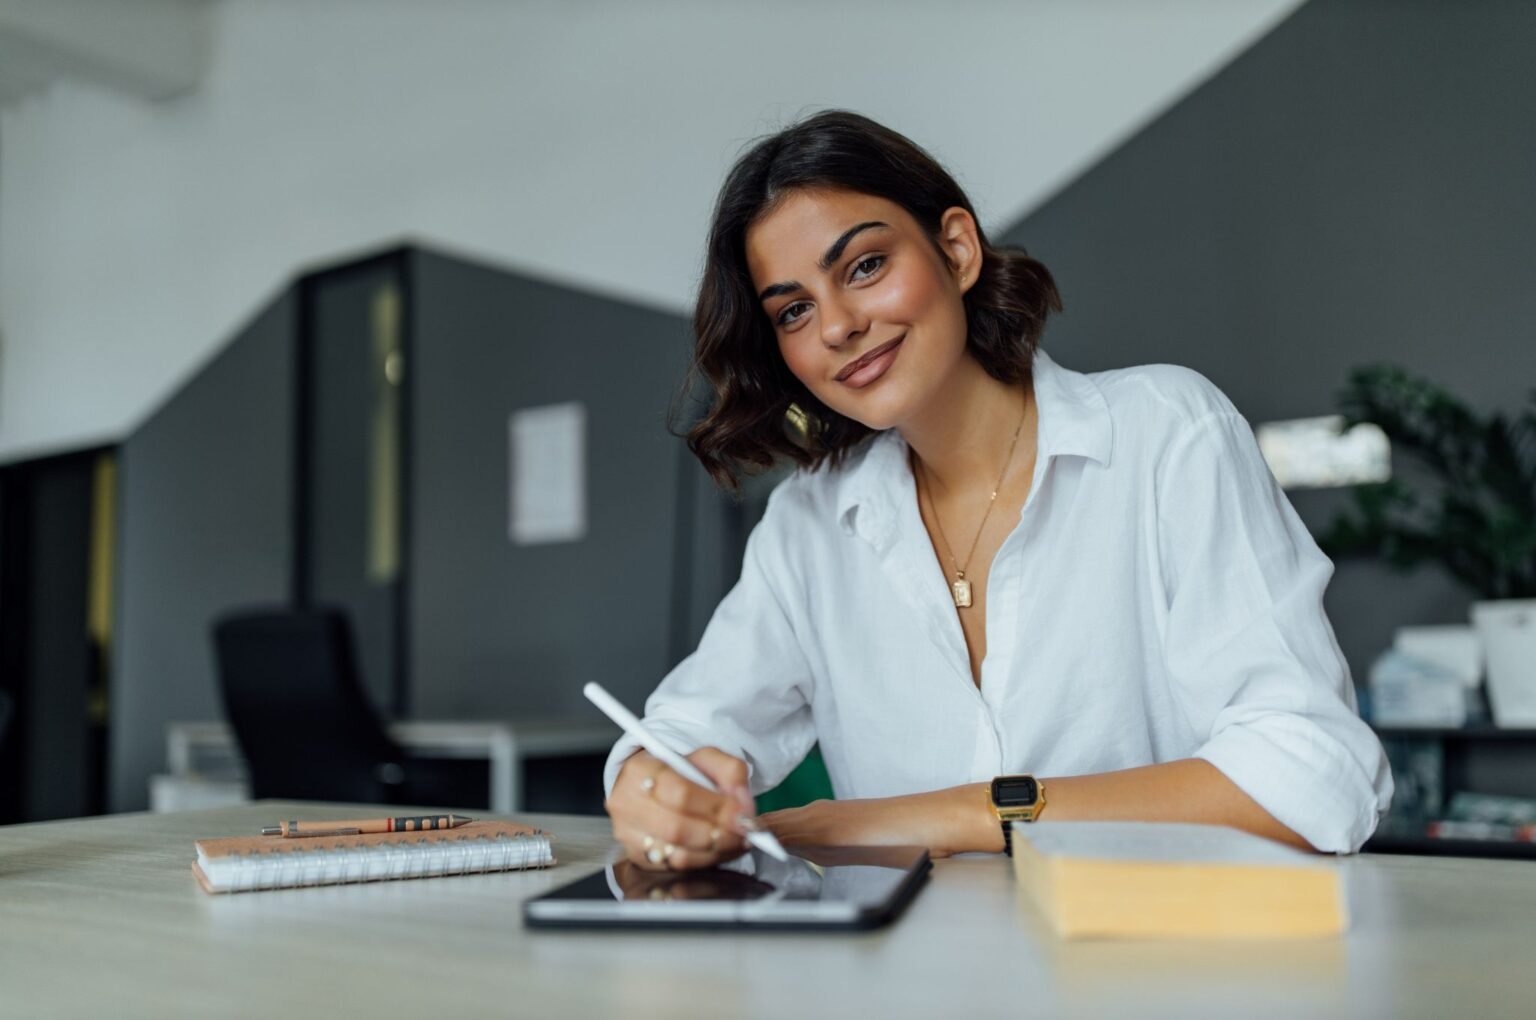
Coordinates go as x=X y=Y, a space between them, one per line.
x=1014 y=791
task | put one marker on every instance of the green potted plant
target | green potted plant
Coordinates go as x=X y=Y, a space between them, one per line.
x=1468 y=503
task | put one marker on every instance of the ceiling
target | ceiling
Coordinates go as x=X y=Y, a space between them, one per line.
x=154 y=49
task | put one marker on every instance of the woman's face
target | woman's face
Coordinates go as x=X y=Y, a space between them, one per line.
x=866 y=313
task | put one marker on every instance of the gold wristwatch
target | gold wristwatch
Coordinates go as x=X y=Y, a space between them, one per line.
x=1016 y=799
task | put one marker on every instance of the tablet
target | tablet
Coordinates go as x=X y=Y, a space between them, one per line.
x=820 y=888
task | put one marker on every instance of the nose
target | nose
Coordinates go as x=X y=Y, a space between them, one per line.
x=840 y=322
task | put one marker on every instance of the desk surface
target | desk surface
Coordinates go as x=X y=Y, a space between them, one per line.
x=102 y=914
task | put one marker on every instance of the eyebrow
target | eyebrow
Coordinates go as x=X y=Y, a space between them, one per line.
x=832 y=255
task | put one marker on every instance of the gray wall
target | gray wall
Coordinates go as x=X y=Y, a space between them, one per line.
x=1360 y=186
x=494 y=630
x=205 y=526
x=499 y=629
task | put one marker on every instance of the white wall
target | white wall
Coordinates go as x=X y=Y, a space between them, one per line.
x=581 y=141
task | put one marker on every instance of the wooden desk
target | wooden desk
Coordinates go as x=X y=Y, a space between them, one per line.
x=101 y=916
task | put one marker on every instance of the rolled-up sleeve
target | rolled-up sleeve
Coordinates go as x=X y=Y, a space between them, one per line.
x=1248 y=649
x=746 y=688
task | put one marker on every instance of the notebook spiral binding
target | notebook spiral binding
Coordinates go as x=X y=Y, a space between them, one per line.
x=420 y=859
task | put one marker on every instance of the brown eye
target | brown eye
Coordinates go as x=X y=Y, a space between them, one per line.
x=874 y=262
x=784 y=318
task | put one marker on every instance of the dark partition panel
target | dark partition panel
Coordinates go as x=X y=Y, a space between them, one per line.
x=503 y=629
x=206 y=525
x=52 y=561
x=353 y=432
x=1356 y=187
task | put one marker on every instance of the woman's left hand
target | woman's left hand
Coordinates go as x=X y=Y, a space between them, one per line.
x=945 y=821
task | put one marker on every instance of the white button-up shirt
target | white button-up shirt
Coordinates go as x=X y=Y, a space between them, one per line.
x=1158 y=599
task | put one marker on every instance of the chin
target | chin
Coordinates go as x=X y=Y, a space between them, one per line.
x=878 y=424
x=878 y=411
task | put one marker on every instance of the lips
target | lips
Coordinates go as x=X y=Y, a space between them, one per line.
x=866 y=360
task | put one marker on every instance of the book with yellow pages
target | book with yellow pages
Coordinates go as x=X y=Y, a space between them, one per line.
x=1173 y=880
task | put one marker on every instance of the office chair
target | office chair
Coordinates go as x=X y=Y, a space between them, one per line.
x=294 y=698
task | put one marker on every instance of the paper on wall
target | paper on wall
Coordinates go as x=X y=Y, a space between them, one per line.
x=548 y=474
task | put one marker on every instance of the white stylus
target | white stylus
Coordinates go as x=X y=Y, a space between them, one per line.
x=758 y=837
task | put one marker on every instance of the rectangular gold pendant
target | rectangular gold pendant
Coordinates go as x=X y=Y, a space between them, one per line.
x=962 y=592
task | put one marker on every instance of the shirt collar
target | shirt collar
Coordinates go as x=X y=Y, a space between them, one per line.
x=1074 y=416
x=1074 y=421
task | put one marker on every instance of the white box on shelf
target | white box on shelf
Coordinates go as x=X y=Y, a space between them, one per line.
x=193 y=792
x=1410 y=691
x=1454 y=647
x=1507 y=628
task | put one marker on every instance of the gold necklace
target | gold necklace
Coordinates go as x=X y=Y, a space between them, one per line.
x=961 y=589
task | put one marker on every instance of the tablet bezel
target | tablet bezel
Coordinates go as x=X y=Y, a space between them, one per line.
x=550 y=910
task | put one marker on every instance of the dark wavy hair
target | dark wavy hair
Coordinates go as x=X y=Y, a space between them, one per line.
x=759 y=412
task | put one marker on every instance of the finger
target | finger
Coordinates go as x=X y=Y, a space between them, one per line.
x=724 y=841
x=635 y=784
x=689 y=798
x=644 y=779
x=640 y=777
x=682 y=859
x=635 y=769
x=635 y=849
x=643 y=775
x=620 y=799
x=663 y=823
x=668 y=856
x=728 y=773
x=724 y=824
x=645 y=815
x=723 y=769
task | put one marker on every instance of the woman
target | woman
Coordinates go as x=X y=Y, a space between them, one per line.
x=988 y=566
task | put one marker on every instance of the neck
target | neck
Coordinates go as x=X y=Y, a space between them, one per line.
x=961 y=443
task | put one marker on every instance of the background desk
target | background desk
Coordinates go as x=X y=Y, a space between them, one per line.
x=102 y=916
x=206 y=769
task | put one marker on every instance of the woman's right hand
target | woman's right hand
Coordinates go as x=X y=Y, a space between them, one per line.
x=666 y=822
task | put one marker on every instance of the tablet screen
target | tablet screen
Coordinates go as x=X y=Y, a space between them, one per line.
x=836 y=886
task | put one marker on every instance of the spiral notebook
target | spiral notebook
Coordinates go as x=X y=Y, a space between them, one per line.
x=249 y=863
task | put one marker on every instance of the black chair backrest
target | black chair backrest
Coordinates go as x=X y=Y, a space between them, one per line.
x=5 y=715
x=298 y=708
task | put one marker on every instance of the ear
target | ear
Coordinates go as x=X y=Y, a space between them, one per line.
x=960 y=240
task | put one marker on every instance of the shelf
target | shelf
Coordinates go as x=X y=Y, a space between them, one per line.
x=1430 y=846
x=1482 y=731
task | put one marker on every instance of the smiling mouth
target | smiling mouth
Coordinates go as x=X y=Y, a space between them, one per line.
x=855 y=365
